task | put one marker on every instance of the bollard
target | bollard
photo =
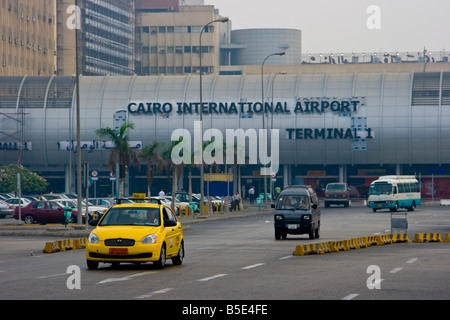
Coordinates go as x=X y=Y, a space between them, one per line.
x=259 y=203
x=67 y=215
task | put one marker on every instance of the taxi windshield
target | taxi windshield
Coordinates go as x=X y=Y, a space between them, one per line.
x=293 y=202
x=132 y=217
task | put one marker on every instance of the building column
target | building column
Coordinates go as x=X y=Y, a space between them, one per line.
x=287 y=171
x=67 y=174
x=343 y=173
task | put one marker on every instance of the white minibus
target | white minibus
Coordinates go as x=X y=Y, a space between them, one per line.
x=394 y=192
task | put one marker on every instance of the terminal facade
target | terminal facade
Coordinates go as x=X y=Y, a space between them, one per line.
x=349 y=123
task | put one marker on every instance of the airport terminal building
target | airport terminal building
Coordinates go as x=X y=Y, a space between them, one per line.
x=348 y=123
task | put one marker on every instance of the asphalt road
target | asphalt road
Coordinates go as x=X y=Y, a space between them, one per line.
x=239 y=259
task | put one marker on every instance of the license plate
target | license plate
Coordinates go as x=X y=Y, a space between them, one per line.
x=292 y=226
x=118 y=251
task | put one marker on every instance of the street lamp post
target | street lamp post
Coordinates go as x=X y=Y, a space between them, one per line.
x=77 y=67
x=271 y=122
x=222 y=20
x=280 y=53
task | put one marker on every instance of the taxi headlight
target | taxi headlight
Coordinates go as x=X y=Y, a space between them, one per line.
x=150 y=239
x=93 y=238
x=306 y=218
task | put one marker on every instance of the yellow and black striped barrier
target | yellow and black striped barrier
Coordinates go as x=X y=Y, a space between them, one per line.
x=79 y=243
x=51 y=247
x=428 y=237
x=64 y=245
x=351 y=244
x=365 y=242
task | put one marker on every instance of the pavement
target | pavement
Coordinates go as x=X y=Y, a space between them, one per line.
x=81 y=231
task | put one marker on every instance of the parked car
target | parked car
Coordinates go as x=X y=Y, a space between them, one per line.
x=102 y=202
x=5 y=196
x=179 y=205
x=72 y=203
x=5 y=209
x=44 y=212
x=337 y=193
x=15 y=202
x=52 y=196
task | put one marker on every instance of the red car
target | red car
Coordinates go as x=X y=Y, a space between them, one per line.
x=44 y=212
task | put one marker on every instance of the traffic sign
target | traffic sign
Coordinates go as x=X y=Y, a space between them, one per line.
x=94 y=175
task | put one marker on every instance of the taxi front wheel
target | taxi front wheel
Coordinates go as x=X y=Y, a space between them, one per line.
x=92 y=265
x=179 y=258
x=162 y=258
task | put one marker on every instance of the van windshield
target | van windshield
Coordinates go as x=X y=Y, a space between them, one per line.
x=380 y=188
x=336 y=187
x=292 y=202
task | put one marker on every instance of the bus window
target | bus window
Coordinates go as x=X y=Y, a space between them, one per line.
x=380 y=188
x=407 y=187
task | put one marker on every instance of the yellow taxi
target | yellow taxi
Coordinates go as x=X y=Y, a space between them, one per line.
x=136 y=233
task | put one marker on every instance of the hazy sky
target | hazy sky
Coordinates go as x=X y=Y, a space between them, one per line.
x=342 y=26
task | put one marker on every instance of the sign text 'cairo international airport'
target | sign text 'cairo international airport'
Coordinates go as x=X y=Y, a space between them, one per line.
x=303 y=106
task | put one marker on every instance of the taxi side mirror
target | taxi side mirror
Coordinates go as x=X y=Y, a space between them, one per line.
x=314 y=206
x=94 y=223
x=170 y=223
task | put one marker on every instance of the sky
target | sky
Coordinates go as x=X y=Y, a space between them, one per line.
x=349 y=25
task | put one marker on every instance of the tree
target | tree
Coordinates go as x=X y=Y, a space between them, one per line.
x=154 y=161
x=30 y=182
x=121 y=153
x=172 y=169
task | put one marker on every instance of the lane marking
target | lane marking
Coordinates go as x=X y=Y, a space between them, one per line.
x=412 y=260
x=350 y=296
x=287 y=257
x=148 y=295
x=52 y=275
x=253 y=266
x=213 y=277
x=396 y=270
x=126 y=278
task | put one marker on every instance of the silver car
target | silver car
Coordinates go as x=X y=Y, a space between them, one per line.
x=5 y=209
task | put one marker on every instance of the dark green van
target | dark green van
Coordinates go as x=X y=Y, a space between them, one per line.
x=297 y=211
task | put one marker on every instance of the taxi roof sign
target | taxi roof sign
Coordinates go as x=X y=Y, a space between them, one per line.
x=139 y=196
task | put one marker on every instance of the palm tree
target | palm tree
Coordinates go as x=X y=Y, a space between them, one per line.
x=154 y=161
x=172 y=169
x=121 y=153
